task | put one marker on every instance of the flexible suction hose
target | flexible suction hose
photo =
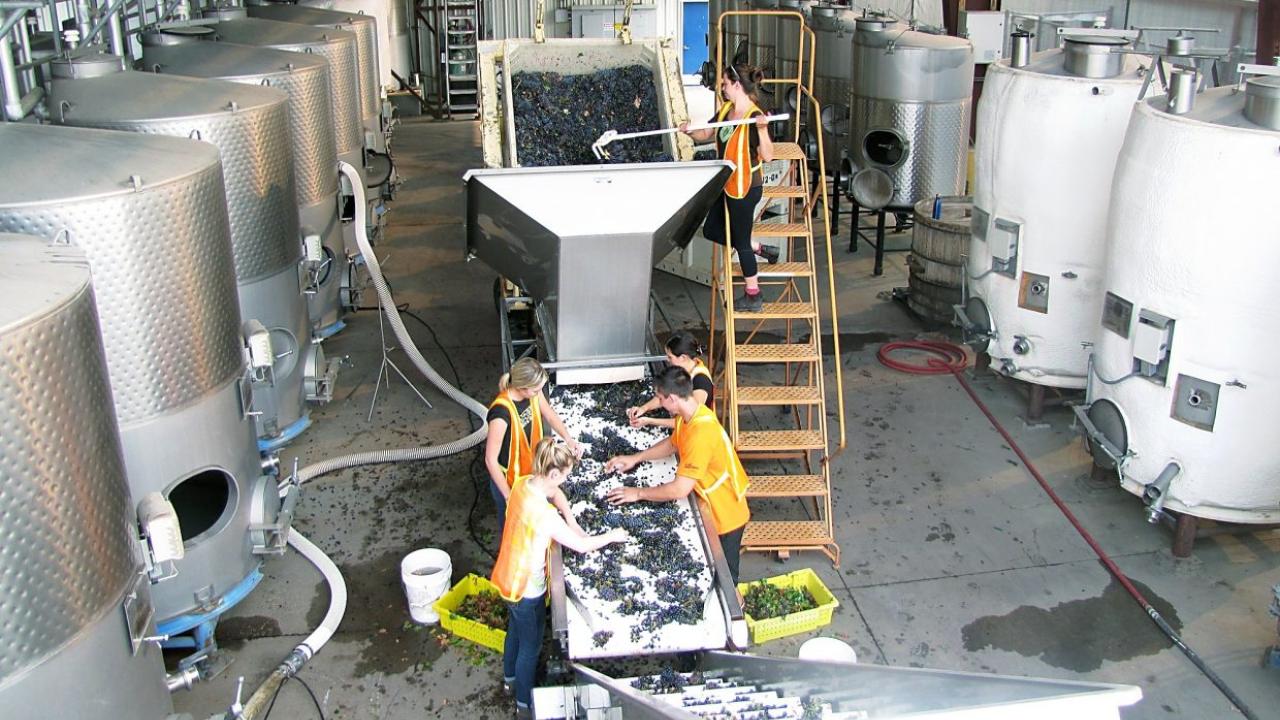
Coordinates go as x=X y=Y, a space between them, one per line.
x=948 y=358
x=375 y=457
x=262 y=697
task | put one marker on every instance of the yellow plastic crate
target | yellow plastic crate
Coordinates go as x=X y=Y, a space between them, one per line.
x=795 y=623
x=467 y=628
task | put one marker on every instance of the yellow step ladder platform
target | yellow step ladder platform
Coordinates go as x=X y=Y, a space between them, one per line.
x=773 y=388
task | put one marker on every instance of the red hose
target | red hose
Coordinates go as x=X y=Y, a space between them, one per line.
x=950 y=358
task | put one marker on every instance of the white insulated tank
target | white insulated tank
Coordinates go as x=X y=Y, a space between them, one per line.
x=1046 y=149
x=1187 y=342
x=75 y=603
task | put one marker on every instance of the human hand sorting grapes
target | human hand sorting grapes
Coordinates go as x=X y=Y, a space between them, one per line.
x=621 y=495
x=620 y=463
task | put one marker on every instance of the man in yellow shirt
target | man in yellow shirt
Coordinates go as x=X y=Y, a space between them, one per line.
x=709 y=466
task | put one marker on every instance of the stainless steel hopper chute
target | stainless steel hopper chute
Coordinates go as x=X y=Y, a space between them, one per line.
x=583 y=241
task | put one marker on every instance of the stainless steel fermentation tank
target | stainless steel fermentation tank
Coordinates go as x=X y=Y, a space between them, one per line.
x=762 y=43
x=583 y=240
x=910 y=108
x=787 y=52
x=305 y=78
x=833 y=27
x=339 y=48
x=365 y=28
x=250 y=127
x=74 y=596
x=150 y=213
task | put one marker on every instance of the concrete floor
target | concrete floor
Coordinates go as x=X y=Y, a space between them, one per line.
x=953 y=556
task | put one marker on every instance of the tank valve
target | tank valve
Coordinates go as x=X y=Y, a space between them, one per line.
x=1021 y=345
x=271 y=464
x=1157 y=491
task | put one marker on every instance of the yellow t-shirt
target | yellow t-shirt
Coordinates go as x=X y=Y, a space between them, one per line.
x=707 y=456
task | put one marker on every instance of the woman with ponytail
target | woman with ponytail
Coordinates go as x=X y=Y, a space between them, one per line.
x=515 y=421
x=520 y=573
x=683 y=351
x=748 y=147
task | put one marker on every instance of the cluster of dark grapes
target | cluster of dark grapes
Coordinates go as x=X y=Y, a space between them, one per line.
x=610 y=402
x=667 y=681
x=602 y=638
x=609 y=443
x=608 y=581
x=558 y=117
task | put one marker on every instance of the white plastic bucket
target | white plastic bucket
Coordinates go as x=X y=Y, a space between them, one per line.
x=828 y=649
x=426 y=575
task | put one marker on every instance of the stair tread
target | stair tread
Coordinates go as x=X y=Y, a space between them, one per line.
x=787 y=151
x=766 y=440
x=787 y=486
x=778 y=394
x=785 y=533
x=784 y=230
x=785 y=191
x=782 y=269
x=780 y=311
x=775 y=352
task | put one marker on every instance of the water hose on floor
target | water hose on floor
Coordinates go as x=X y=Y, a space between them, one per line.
x=374 y=457
x=265 y=693
x=950 y=359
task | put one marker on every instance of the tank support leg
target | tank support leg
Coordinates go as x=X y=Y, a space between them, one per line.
x=834 y=223
x=1035 y=402
x=853 y=226
x=1184 y=535
x=879 y=267
x=982 y=362
x=1101 y=475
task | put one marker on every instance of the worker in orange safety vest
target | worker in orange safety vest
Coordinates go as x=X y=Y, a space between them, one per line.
x=520 y=573
x=515 y=421
x=683 y=351
x=748 y=147
x=709 y=466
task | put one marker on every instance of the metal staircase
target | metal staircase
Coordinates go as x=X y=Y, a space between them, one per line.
x=775 y=396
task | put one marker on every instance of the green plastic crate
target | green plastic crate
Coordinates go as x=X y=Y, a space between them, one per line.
x=467 y=628
x=800 y=622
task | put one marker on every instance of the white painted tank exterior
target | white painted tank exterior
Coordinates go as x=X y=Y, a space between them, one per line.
x=1046 y=149
x=1194 y=235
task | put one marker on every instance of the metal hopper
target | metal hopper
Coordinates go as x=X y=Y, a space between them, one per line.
x=582 y=241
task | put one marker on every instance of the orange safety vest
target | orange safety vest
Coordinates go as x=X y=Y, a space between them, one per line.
x=737 y=150
x=723 y=483
x=700 y=368
x=519 y=447
x=522 y=544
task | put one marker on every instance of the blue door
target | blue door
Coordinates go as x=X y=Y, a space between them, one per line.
x=695 y=37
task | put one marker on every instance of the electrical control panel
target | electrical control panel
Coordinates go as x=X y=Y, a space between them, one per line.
x=1003 y=239
x=1152 y=340
x=985 y=29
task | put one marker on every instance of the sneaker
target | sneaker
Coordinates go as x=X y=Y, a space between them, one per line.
x=768 y=252
x=508 y=687
x=745 y=303
x=523 y=712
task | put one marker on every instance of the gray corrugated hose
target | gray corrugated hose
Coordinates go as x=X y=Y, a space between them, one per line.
x=406 y=342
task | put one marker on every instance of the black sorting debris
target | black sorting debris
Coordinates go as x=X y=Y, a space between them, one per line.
x=558 y=117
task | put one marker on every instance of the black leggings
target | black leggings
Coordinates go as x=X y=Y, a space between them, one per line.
x=742 y=215
x=731 y=543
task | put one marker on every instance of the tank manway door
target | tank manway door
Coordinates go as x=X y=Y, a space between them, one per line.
x=583 y=240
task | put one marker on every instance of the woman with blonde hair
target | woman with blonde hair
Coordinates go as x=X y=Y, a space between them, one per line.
x=520 y=573
x=515 y=420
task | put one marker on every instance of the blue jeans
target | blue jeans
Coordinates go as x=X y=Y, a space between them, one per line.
x=501 y=503
x=525 y=623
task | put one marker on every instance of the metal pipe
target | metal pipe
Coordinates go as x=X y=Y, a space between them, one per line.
x=24 y=44
x=1021 y=54
x=102 y=22
x=1157 y=491
x=1182 y=91
x=182 y=679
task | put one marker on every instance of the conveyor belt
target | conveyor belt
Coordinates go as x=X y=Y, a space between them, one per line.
x=635 y=621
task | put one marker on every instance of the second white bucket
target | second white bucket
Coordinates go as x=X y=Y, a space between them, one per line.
x=426 y=575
